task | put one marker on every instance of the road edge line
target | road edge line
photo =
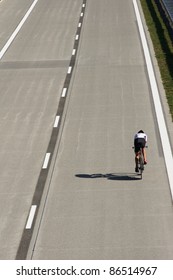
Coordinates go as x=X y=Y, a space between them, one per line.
x=167 y=151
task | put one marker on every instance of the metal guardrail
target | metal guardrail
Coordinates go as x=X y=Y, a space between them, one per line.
x=167 y=6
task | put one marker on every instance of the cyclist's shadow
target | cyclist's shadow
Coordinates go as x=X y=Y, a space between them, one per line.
x=111 y=176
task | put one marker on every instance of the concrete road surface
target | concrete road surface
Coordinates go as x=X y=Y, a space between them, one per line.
x=92 y=204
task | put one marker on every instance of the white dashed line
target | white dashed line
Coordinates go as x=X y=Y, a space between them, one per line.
x=81 y=14
x=64 y=92
x=16 y=31
x=25 y=241
x=157 y=103
x=74 y=51
x=31 y=217
x=69 y=69
x=46 y=161
x=56 y=121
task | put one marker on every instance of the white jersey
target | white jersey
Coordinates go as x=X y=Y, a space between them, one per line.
x=141 y=135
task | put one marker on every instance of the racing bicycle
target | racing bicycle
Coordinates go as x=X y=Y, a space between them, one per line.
x=141 y=162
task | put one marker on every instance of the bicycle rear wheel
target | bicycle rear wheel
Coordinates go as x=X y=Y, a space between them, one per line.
x=141 y=163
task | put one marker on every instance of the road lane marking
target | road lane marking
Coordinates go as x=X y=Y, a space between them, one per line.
x=37 y=197
x=46 y=161
x=16 y=31
x=74 y=51
x=69 y=69
x=79 y=25
x=56 y=121
x=157 y=103
x=31 y=217
x=64 y=92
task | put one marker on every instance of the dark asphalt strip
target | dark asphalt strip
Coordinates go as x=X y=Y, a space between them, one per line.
x=27 y=232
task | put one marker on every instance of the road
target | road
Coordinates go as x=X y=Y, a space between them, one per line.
x=89 y=202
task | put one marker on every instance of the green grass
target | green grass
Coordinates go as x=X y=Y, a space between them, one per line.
x=163 y=46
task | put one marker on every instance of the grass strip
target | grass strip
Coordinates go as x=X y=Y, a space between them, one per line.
x=163 y=46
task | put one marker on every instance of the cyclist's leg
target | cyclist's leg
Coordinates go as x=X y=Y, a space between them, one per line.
x=144 y=152
x=145 y=156
x=136 y=162
x=137 y=151
x=141 y=143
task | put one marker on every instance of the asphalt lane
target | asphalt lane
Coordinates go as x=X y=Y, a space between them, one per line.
x=95 y=206
x=32 y=74
x=11 y=13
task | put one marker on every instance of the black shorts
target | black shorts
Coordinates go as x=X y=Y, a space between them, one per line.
x=139 y=143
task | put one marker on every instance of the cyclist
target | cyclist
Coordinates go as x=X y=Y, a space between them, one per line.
x=140 y=140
